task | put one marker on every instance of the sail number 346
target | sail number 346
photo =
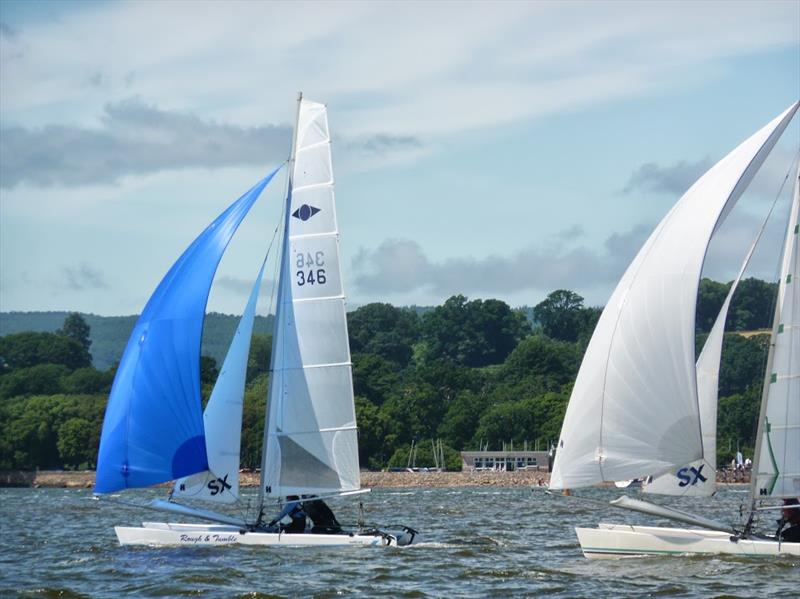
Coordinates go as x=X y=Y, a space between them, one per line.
x=310 y=269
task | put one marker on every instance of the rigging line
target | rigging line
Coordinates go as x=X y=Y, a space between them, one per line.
x=272 y=241
x=277 y=261
x=243 y=507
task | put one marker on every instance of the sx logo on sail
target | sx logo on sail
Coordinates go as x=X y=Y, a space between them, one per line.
x=219 y=485
x=690 y=476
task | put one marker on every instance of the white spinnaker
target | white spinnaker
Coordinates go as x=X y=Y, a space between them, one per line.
x=634 y=408
x=310 y=437
x=699 y=477
x=778 y=461
x=222 y=418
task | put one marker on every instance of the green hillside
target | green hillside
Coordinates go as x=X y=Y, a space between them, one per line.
x=110 y=333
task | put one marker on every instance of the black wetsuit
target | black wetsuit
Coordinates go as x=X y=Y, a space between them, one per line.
x=322 y=517
x=791 y=535
x=298 y=523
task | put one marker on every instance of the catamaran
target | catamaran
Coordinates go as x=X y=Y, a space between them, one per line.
x=154 y=429
x=642 y=407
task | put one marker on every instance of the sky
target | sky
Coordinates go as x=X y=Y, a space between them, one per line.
x=493 y=149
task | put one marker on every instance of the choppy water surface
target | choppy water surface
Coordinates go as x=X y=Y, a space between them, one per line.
x=477 y=542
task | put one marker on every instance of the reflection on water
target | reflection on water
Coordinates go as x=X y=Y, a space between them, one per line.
x=475 y=542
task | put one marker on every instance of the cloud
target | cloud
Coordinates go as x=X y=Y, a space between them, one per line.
x=7 y=32
x=81 y=278
x=241 y=286
x=673 y=180
x=731 y=242
x=676 y=179
x=234 y=284
x=625 y=245
x=380 y=144
x=487 y=67
x=570 y=234
x=134 y=138
x=400 y=265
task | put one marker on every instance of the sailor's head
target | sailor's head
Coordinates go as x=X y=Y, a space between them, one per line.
x=292 y=498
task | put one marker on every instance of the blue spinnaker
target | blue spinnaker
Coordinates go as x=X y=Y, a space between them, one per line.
x=153 y=427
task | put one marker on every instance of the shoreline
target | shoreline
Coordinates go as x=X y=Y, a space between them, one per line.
x=84 y=479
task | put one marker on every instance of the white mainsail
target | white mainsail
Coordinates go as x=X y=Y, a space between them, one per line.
x=310 y=436
x=777 y=465
x=634 y=409
x=222 y=419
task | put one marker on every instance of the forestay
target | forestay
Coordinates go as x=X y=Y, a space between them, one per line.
x=310 y=437
x=777 y=461
x=634 y=409
x=153 y=427
x=223 y=418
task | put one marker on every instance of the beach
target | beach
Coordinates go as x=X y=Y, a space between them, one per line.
x=377 y=480
x=371 y=480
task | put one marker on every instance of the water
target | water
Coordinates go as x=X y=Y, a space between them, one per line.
x=477 y=542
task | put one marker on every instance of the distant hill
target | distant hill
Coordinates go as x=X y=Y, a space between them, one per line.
x=110 y=333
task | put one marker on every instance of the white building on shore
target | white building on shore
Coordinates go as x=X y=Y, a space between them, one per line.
x=504 y=461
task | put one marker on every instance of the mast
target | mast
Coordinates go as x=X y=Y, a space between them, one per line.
x=771 y=355
x=279 y=305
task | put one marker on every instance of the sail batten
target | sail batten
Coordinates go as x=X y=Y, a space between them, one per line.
x=634 y=410
x=319 y=430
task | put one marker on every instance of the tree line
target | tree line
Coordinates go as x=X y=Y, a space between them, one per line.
x=109 y=334
x=469 y=373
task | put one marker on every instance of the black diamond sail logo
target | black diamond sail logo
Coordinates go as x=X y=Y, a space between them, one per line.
x=305 y=212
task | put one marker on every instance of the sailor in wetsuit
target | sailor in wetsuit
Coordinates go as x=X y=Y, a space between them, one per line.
x=322 y=518
x=294 y=510
x=791 y=517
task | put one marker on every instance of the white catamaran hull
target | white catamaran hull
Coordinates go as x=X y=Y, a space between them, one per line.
x=609 y=541
x=173 y=534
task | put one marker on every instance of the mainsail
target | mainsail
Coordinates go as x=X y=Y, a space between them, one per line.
x=223 y=418
x=777 y=465
x=310 y=437
x=153 y=428
x=634 y=409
